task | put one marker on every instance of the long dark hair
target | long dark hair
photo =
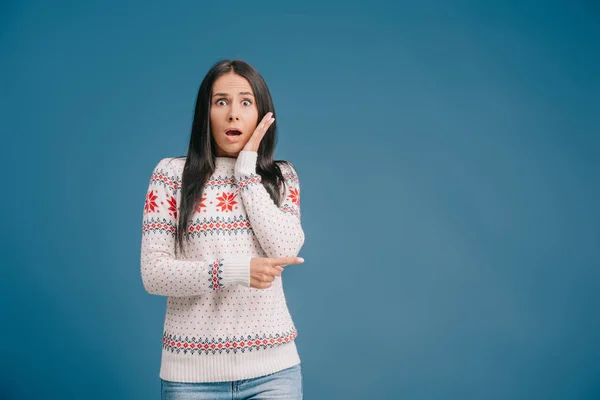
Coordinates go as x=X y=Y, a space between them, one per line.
x=201 y=156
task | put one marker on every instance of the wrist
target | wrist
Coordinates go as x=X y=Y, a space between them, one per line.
x=245 y=163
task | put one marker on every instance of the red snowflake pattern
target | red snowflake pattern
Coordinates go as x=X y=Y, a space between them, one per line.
x=172 y=207
x=226 y=201
x=201 y=203
x=151 y=205
x=294 y=196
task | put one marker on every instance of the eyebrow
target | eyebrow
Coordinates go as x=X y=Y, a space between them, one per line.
x=226 y=94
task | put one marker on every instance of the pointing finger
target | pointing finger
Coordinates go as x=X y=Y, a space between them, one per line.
x=287 y=260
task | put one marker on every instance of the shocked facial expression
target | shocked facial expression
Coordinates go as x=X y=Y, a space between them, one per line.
x=233 y=114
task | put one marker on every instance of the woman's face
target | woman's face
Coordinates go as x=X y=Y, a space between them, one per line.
x=232 y=106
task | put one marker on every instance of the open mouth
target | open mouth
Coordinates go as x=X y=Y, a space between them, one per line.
x=233 y=132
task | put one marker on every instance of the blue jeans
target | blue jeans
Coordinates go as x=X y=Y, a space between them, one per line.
x=284 y=384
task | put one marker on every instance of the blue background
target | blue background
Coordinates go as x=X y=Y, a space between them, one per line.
x=448 y=160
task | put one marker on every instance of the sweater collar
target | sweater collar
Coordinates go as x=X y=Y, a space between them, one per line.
x=225 y=162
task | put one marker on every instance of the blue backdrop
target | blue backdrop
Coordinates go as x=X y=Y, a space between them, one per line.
x=448 y=160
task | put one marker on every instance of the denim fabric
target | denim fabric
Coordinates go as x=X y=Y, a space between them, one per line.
x=284 y=384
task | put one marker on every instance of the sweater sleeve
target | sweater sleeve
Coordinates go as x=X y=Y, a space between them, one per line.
x=162 y=273
x=278 y=229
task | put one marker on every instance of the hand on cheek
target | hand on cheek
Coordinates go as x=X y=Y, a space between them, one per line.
x=259 y=132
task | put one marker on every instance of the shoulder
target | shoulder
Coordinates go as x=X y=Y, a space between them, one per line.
x=287 y=169
x=168 y=171
x=172 y=166
x=289 y=172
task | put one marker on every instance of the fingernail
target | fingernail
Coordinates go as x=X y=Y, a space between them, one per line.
x=300 y=259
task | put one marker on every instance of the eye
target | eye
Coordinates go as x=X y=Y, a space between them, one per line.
x=220 y=100
x=246 y=101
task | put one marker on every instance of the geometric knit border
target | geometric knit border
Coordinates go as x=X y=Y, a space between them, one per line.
x=173 y=183
x=291 y=210
x=217 y=182
x=250 y=179
x=214 y=225
x=162 y=178
x=216 y=272
x=158 y=225
x=230 y=225
x=290 y=177
x=225 y=345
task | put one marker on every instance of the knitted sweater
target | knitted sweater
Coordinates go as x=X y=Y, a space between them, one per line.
x=217 y=328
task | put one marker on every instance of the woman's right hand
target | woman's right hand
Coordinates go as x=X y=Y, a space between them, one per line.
x=264 y=270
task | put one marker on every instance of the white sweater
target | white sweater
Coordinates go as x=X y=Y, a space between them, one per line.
x=217 y=328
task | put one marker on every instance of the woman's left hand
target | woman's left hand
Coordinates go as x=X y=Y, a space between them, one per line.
x=259 y=132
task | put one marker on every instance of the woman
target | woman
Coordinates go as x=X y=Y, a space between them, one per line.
x=218 y=227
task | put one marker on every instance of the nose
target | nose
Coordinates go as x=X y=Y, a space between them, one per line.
x=233 y=113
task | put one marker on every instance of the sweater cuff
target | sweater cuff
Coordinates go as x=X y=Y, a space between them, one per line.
x=236 y=271
x=245 y=163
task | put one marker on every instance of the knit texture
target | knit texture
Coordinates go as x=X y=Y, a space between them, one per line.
x=217 y=328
